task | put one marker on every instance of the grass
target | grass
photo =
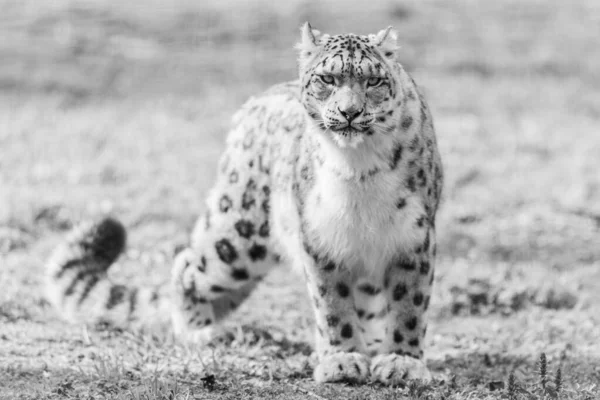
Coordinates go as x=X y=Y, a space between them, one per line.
x=124 y=108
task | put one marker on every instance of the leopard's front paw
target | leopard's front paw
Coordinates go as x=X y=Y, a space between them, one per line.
x=336 y=367
x=392 y=369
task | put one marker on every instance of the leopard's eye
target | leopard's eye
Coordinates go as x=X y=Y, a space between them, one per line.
x=328 y=79
x=373 y=82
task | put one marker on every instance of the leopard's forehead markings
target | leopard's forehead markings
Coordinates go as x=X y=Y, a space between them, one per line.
x=351 y=55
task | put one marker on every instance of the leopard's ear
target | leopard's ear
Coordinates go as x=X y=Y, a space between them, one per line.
x=309 y=44
x=309 y=37
x=387 y=41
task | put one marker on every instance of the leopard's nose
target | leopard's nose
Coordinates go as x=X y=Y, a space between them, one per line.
x=350 y=113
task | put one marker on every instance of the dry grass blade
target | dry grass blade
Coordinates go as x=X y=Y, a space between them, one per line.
x=305 y=391
x=543 y=370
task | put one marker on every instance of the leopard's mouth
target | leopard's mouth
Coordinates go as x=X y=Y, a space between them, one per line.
x=348 y=137
x=348 y=130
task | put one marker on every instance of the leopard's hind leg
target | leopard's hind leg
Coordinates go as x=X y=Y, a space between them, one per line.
x=229 y=254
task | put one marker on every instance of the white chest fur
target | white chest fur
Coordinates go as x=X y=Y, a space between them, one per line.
x=358 y=223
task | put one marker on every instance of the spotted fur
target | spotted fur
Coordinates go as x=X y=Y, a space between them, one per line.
x=337 y=174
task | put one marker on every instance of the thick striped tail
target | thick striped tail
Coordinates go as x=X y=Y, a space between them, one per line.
x=79 y=288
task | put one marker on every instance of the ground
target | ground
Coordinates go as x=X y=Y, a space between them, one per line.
x=124 y=109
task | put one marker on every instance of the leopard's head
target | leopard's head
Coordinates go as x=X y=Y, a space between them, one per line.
x=350 y=83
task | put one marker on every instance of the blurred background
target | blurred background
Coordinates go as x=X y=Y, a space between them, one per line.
x=123 y=107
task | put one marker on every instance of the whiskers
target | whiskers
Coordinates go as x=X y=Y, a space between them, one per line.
x=319 y=121
x=376 y=125
x=384 y=128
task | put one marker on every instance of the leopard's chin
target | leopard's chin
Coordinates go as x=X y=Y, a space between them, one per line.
x=348 y=137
